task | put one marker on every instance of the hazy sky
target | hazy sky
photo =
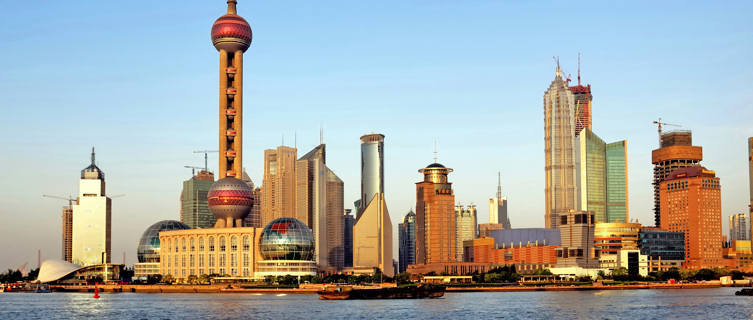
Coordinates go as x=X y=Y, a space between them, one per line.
x=138 y=80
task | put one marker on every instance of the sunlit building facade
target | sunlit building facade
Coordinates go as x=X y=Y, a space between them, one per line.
x=612 y=238
x=676 y=151
x=67 y=254
x=278 y=192
x=739 y=227
x=498 y=207
x=602 y=177
x=92 y=219
x=372 y=238
x=194 y=209
x=435 y=216
x=372 y=168
x=465 y=227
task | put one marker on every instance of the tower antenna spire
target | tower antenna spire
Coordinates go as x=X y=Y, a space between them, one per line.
x=499 y=184
x=558 y=72
x=435 y=150
x=321 y=134
x=231 y=6
x=92 y=155
x=579 y=68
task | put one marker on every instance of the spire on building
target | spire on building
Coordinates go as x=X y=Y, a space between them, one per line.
x=93 y=155
x=499 y=184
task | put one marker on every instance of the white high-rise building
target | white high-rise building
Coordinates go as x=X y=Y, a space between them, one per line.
x=92 y=215
x=739 y=227
x=498 y=207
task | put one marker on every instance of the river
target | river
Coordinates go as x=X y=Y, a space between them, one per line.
x=716 y=303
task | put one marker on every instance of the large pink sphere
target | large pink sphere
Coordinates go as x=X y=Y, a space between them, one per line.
x=231 y=33
x=229 y=198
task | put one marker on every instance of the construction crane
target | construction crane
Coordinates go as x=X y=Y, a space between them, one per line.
x=659 y=124
x=70 y=199
x=206 y=156
x=193 y=169
x=117 y=196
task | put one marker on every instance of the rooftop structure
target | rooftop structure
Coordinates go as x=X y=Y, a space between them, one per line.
x=676 y=151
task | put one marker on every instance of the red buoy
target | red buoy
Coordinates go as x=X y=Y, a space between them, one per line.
x=96 y=290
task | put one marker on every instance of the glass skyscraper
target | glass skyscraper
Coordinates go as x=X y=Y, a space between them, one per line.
x=194 y=209
x=407 y=241
x=602 y=177
x=372 y=169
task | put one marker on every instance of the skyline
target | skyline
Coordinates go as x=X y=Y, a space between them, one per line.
x=144 y=158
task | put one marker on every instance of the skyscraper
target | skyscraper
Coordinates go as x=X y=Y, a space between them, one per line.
x=602 y=177
x=435 y=216
x=407 y=241
x=92 y=216
x=498 y=207
x=372 y=168
x=334 y=223
x=278 y=190
x=348 y=222
x=750 y=175
x=254 y=217
x=67 y=233
x=194 y=209
x=739 y=227
x=676 y=151
x=465 y=228
x=559 y=150
x=691 y=203
x=372 y=237
x=582 y=98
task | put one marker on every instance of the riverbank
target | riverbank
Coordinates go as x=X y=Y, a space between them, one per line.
x=313 y=289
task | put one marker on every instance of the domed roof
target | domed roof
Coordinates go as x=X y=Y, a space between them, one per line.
x=92 y=171
x=435 y=165
x=287 y=239
x=148 y=249
x=230 y=198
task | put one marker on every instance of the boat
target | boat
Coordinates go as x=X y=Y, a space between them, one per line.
x=408 y=292
x=745 y=292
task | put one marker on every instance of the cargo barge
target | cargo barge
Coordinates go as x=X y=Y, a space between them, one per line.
x=408 y=292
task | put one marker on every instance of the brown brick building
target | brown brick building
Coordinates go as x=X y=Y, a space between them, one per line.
x=691 y=203
x=435 y=216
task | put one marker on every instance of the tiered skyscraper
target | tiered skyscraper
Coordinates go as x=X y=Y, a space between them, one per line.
x=676 y=151
x=435 y=216
x=559 y=149
x=92 y=217
x=498 y=207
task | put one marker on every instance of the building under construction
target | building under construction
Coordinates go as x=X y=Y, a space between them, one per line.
x=676 y=151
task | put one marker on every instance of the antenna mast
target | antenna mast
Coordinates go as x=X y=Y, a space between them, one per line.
x=435 y=151
x=499 y=185
x=579 y=68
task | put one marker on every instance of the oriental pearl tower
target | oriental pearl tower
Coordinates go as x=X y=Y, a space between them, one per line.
x=230 y=198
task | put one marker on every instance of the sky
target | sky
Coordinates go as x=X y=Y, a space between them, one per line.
x=138 y=80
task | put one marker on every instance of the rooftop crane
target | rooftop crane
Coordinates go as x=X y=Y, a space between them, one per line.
x=659 y=124
x=205 y=152
x=193 y=169
x=117 y=196
x=70 y=199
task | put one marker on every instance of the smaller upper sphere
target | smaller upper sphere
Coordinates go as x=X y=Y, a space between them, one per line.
x=231 y=33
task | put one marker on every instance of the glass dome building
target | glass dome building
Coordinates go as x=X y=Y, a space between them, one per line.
x=148 y=250
x=286 y=246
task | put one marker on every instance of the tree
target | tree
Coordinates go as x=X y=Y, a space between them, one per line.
x=204 y=279
x=705 y=274
x=192 y=279
x=168 y=278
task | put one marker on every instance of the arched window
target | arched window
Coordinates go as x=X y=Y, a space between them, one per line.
x=175 y=244
x=246 y=243
x=183 y=244
x=234 y=243
x=201 y=244
x=193 y=244
x=211 y=243
x=222 y=244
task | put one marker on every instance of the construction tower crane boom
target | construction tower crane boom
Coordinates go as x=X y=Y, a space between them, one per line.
x=659 y=124
x=206 y=156
x=193 y=169
x=69 y=198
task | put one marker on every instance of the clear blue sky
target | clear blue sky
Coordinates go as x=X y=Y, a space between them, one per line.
x=138 y=79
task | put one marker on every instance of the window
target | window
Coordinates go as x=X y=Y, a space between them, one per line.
x=233 y=260
x=201 y=243
x=563 y=220
x=246 y=243
x=245 y=260
x=191 y=260
x=193 y=244
x=222 y=260
x=211 y=244
x=183 y=244
x=211 y=262
x=222 y=244
x=234 y=243
x=201 y=261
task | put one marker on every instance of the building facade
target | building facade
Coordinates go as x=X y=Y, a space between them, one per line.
x=435 y=216
x=583 y=99
x=602 y=177
x=372 y=238
x=750 y=176
x=577 y=240
x=92 y=219
x=348 y=222
x=676 y=151
x=739 y=227
x=254 y=217
x=610 y=239
x=194 y=208
x=278 y=191
x=407 y=241
x=527 y=254
x=498 y=207
x=559 y=150
x=148 y=250
x=67 y=254
x=664 y=249
x=372 y=168
x=691 y=203
x=465 y=227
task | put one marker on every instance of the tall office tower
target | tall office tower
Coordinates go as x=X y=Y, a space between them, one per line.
x=67 y=233
x=278 y=189
x=435 y=216
x=254 y=216
x=559 y=150
x=498 y=207
x=372 y=237
x=739 y=227
x=92 y=217
x=577 y=240
x=348 y=222
x=602 y=177
x=691 y=203
x=194 y=206
x=406 y=238
x=334 y=223
x=750 y=175
x=372 y=169
x=465 y=228
x=676 y=151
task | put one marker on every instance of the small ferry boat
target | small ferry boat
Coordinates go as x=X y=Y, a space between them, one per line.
x=408 y=292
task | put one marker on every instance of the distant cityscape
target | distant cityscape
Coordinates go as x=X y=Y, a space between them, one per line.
x=295 y=223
